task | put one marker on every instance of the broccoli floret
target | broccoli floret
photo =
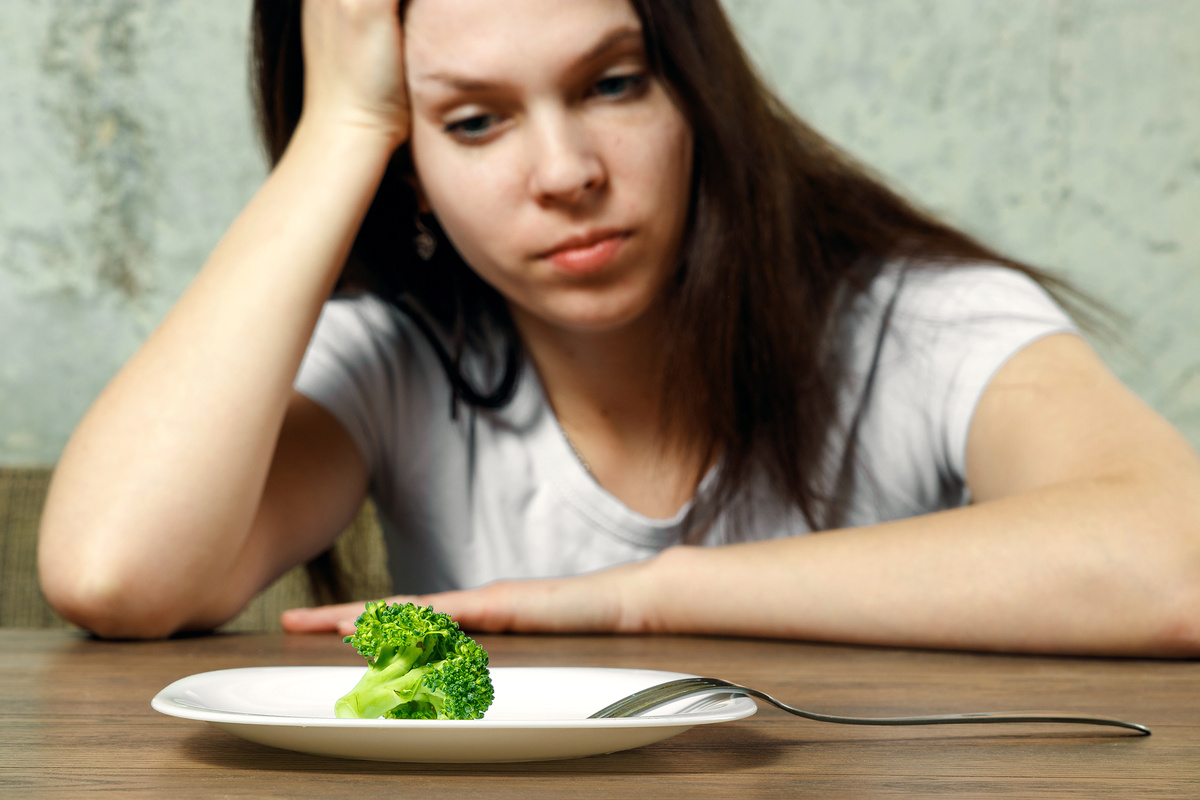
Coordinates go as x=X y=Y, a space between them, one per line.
x=420 y=665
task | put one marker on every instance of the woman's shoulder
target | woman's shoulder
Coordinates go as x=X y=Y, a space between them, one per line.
x=922 y=306
x=357 y=315
x=957 y=292
x=368 y=365
x=923 y=343
x=362 y=331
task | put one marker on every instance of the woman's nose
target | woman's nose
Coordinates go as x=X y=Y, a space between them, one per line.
x=566 y=166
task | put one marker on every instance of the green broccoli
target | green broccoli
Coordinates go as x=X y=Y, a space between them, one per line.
x=420 y=666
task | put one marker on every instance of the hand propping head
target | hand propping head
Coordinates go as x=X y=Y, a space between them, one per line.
x=354 y=65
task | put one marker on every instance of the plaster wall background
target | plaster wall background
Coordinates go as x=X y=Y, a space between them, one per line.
x=1065 y=132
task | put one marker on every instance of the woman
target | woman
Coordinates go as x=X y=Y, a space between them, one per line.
x=624 y=301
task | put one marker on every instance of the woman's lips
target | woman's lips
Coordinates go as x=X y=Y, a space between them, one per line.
x=582 y=255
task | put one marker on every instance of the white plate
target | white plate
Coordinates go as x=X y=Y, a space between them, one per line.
x=539 y=713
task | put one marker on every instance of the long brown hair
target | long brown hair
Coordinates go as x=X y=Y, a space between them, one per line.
x=783 y=228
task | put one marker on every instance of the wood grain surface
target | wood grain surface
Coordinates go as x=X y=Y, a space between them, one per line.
x=75 y=716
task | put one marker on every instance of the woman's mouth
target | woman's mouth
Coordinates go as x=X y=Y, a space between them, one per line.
x=586 y=253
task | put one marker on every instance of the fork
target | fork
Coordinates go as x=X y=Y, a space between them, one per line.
x=647 y=699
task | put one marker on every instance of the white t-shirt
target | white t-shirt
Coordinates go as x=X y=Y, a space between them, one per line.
x=496 y=495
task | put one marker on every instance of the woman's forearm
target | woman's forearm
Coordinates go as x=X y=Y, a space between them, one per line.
x=1095 y=567
x=157 y=489
x=1089 y=568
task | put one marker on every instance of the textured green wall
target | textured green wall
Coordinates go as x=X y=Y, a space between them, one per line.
x=126 y=148
x=1066 y=132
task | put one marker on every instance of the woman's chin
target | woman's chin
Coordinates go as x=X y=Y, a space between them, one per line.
x=601 y=320
x=594 y=316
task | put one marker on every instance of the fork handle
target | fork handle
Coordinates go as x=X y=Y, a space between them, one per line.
x=945 y=719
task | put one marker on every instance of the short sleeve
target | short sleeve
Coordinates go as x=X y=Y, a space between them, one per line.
x=354 y=369
x=948 y=331
x=998 y=313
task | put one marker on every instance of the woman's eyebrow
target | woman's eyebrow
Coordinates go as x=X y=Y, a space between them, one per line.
x=615 y=39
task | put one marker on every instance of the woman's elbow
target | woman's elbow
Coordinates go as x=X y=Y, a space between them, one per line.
x=1163 y=562
x=1178 y=631
x=111 y=599
x=103 y=604
x=1177 y=626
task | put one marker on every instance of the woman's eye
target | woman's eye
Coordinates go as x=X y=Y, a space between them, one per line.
x=619 y=86
x=473 y=128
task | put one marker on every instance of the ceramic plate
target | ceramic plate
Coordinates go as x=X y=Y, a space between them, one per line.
x=539 y=713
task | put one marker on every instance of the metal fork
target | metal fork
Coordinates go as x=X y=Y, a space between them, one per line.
x=641 y=702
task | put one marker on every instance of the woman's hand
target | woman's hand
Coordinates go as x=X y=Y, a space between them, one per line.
x=354 y=66
x=611 y=601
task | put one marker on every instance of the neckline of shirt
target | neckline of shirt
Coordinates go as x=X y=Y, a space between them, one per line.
x=558 y=465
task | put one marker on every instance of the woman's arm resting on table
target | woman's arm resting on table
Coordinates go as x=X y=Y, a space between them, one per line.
x=159 y=487
x=181 y=492
x=1084 y=538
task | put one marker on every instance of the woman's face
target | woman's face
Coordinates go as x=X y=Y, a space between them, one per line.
x=553 y=159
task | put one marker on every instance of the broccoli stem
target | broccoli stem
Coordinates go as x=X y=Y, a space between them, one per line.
x=380 y=688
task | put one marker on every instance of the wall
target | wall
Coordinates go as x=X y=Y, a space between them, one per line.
x=1066 y=132
x=126 y=148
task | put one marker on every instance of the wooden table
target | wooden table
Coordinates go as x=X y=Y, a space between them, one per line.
x=75 y=715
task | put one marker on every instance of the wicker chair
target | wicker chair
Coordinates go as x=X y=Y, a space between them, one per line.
x=354 y=569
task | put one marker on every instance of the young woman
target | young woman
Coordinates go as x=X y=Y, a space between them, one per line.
x=633 y=333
